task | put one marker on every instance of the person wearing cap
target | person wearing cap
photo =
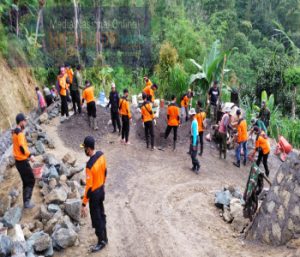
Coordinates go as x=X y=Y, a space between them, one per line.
x=262 y=145
x=213 y=100
x=96 y=172
x=264 y=114
x=124 y=111
x=258 y=123
x=22 y=154
x=114 y=100
x=150 y=92
x=223 y=129
x=88 y=96
x=62 y=83
x=75 y=87
x=173 y=120
x=200 y=116
x=194 y=141
x=184 y=104
x=242 y=137
x=148 y=118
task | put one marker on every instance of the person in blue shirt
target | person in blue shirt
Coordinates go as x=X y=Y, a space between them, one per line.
x=194 y=141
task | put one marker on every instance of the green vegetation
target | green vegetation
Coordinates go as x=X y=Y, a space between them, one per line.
x=189 y=40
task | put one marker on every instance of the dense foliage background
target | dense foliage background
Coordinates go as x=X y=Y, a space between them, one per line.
x=189 y=40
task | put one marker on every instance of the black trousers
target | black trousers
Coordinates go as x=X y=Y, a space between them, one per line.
x=91 y=109
x=64 y=105
x=193 y=152
x=49 y=100
x=115 y=118
x=168 y=131
x=27 y=177
x=98 y=217
x=125 y=127
x=222 y=144
x=264 y=158
x=201 y=141
x=76 y=100
x=149 y=131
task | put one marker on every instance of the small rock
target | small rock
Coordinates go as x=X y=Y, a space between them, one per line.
x=72 y=208
x=69 y=158
x=38 y=226
x=79 y=178
x=44 y=213
x=27 y=232
x=45 y=190
x=19 y=249
x=40 y=148
x=50 y=159
x=18 y=234
x=5 y=245
x=53 y=208
x=64 y=238
x=42 y=243
x=42 y=135
x=64 y=170
x=5 y=203
x=57 y=195
x=294 y=244
x=63 y=178
x=53 y=172
x=76 y=169
x=43 y=118
x=226 y=215
x=50 y=225
x=52 y=183
x=12 y=217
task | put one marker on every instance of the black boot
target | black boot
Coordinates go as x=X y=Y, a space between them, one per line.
x=245 y=162
x=201 y=150
x=237 y=164
x=27 y=198
x=105 y=240
x=98 y=247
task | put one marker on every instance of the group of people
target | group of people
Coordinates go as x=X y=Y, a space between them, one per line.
x=70 y=84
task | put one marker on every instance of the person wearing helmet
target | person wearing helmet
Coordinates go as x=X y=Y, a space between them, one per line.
x=22 y=154
x=242 y=137
x=223 y=129
x=194 y=141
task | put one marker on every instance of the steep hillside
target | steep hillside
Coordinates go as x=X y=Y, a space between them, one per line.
x=16 y=93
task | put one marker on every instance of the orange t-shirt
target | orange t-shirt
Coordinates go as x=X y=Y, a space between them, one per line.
x=242 y=131
x=185 y=101
x=62 y=82
x=147 y=113
x=200 y=118
x=88 y=94
x=70 y=75
x=149 y=92
x=124 y=108
x=263 y=143
x=20 y=148
x=173 y=115
x=96 y=172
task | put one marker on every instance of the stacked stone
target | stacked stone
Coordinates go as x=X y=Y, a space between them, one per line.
x=278 y=219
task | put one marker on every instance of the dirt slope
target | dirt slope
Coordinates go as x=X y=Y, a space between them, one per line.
x=16 y=93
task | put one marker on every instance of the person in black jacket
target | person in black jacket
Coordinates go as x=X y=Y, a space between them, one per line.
x=114 y=102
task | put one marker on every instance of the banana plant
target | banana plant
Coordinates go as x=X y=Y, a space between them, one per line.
x=211 y=68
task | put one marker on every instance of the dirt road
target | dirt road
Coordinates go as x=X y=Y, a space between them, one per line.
x=156 y=206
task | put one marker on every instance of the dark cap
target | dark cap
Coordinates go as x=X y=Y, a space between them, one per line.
x=20 y=117
x=256 y=129
x=89 y=141
x=125 y=91
x=238 y=112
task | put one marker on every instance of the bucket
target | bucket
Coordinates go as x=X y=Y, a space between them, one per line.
x=284 y=145
x=134 y=100
x=38 y=170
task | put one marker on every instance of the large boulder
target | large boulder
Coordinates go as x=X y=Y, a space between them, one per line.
x=42 y=243
x=64 y=238
x=45 y=214
x=57 y=195
x=5 y=246
x=39 y=146
x=69 y=159
x=12 y=217
x=53 y=173
x=278 y=219
x=50 y=159
x=5 y=203
x=43 y=118
x=72 y=208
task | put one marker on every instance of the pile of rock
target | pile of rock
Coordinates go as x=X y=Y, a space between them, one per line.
x=231 y=202
x=278 y=219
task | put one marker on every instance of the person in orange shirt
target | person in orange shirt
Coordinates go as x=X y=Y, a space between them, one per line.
x=173 y=120
x=148 y=82
x=184 y=104
x=62 y=84
x=150 y=92
x=148 y=117
x=88 y=96
x=200 y=116
x=262 y=145
x=242 y=137
x=22 y=154
x=96 y=172
x=124 y=110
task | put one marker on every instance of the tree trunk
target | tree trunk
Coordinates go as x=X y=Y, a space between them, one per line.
x=76 y=28
x=98 y=29
x=294 y=102
x=38 y=24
